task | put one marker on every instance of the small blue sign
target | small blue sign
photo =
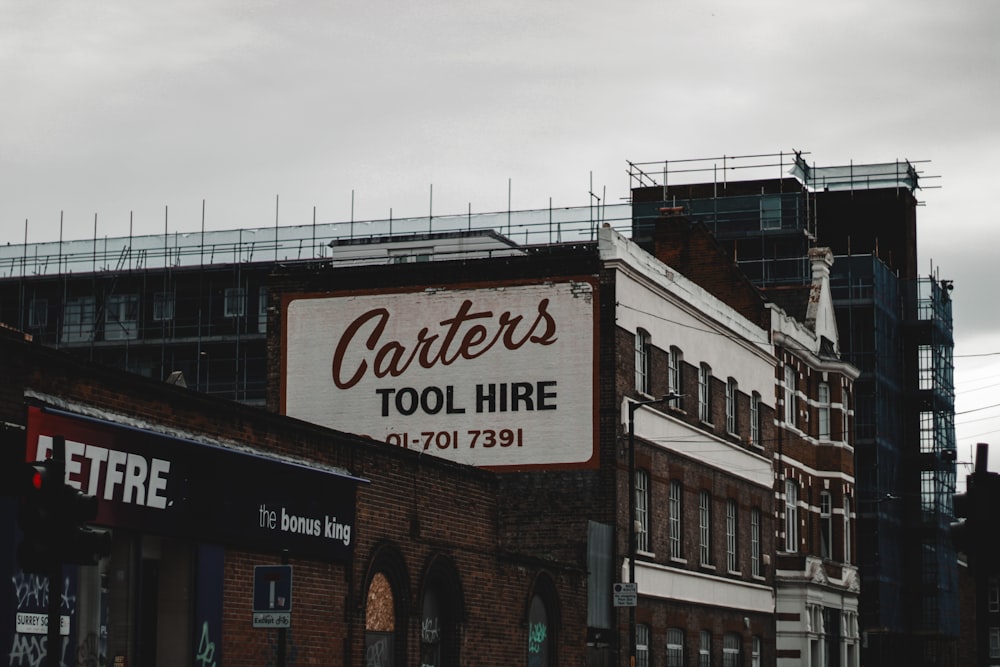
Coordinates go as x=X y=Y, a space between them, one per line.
x=272 y=588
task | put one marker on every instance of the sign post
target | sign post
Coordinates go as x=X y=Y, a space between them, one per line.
x=272 y=596
x=626 y=594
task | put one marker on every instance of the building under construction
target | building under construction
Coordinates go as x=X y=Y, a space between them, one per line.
x=895 y=326
x=195 y=307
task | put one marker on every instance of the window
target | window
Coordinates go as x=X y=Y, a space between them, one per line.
x=704 y=649
x=928 y=441
x=847 y=529
x=770 y=212
x=705 y=527
x=235 y=302
x=411 y=255
x=755 y=542
x=38 y=313
x=674 y=386
x=844 y=417
x=262 y=309
x=790 y=383
x=642 y=510
x=731 y=392
x=675 y=647
x=705 y=393
x=539 y=636
x=642 y=646
x=825 y=525
x=78 y=319
x=823 y=411
x=995 y=642
x=731 y=650
x=994 y=594
x=674 y=509
x=121 y=317
x=790 y=395
x=732 y=533
x=642 y=347
x=163 y=306
x=380 y=619
x=755 y=420
x=755 y=646
x=791 y=516
x=430 y=630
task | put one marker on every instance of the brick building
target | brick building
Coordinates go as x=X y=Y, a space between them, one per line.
x=417 y=572
x=622 y=408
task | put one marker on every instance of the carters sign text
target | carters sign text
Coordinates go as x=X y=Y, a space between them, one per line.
x=500 y=376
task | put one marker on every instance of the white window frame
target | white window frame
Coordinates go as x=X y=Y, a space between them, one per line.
x=847 y=529
x=755 y=420
x=705 y=393
x=675 y=647
x=705 y=649
x=845 y=415
x=643 y=349
x=674 y=360
x=732 y=395
x=731 y=647
x=789 y=395
x=642 y=645
x=732 y=536
x=823 y=411
x=791 y=516
x=705 y=528
x=755 y=550
x=642 y=510
x=825 y=524
x=675 y=507
x=755 y=646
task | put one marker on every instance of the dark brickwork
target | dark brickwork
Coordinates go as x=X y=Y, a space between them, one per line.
x=416 y=511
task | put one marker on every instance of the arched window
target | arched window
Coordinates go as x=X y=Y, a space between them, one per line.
x=705 y=393
x=442 y=608
x=731 y=647
x=430 y=630
x=538 y=634
x=732 y=392
x=386 y=605
x=674 y=380
x=543 y=624
x=642 y=646
x=675 y=647
x=755 y=419
x=642 y=352
x=380 y=622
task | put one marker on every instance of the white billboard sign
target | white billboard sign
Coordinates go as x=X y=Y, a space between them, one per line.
x=500 y=376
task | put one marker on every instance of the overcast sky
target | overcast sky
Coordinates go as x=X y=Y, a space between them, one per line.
x=112 y=107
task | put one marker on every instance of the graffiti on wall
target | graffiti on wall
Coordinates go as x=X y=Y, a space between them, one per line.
x=29 y=644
